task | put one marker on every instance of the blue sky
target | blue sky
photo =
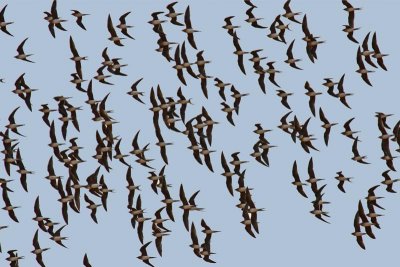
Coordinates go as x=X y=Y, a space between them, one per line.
x=289 y=234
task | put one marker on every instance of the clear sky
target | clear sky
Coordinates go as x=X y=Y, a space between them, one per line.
x=289 y=234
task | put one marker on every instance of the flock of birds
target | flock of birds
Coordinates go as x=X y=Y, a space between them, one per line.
x=199 y=130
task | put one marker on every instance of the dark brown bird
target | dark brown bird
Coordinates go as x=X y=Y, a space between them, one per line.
x=313 y=180
x=22 y=171
x=327 y=125
x=388 y=181
x=289 y=14
x=53 y=19
x=21 y=54
x=357 y=231
x=349 y=29
x=342 y=94
x=377 y=53
x=228 y=25
x=86 y=261
x=342 y=179
x=11 y=123
x=227 y=173
x=297 y=182
x=79 y=18
x=312 y=94
x=252 y=19
x=188 y=29
x=144 y=257
x=195 y=241
x=187 y=206
x=123 y=26
x=357 y=157
x=3 y=23
x=361 y=68
x=372 y=198
x=8 y=206
x=134 y=91
x=113 y=34
x=364 y=221
x=366 y=53
x=37 y=249
x=239 y=52
x=348 y=132
x=290 y=58
x=179 y=66
x=221 y=86
x=173 y=15
x=56 y=237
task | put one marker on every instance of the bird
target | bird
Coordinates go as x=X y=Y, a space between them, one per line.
x=221 y=87
x=92 y=206
x=101 y=77
x=239 y=52
x=21 y=54
x=361 y=68
x=195 y=241
x=229 y=112
x=349 y=29
x=247 y=221
x=227 y=173
x=178 y=65
x=357 y=157
x=284 y=97
x=156 y=22
x=289 y=14
x=326 y=125
x=252 y=19
x=388 y=181
x=76 y=57
x=377 y=53
x=22 y=171
x=123 y=26
x=313 y=180
x=144 y=257
x=364 y=221
x=158 y=234
x=173 y=15
x=79 y=18
x=3 y=23
x=348 y=131
x=13 y=258
x=272 y=71
x=297 y=182
x=38 y=216
x=342 y=94
x=12 y=125
x=188 y=29
x=366 y=53
x=134 y=91
x=8 y=206
x=357 y=230
x=113 y=34
x=290 y=58
x=372 y=198
x=228 y=25
x=312 y=94
x=38 y=250
x=53 y=19
x=187 y=206
x=86 y=261
x=236 y=162
x=237 y=96
x=342 y=179
x=56 y=237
